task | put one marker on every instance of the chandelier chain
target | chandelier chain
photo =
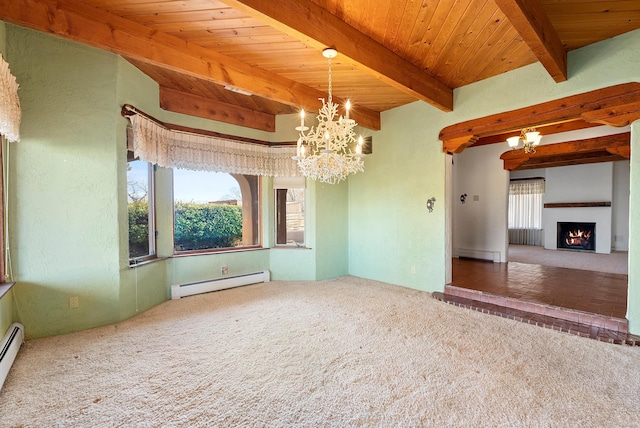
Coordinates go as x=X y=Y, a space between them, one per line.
x=330 y=82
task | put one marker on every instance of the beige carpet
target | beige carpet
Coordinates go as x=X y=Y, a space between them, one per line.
x=341 y=353
x=615 y=262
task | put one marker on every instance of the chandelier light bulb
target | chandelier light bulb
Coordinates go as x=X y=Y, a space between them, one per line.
x=301 y=128
x=533 y=137
x=359 y=147
x=529 y=137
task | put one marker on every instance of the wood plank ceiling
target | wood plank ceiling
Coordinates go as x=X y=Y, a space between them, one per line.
x=392 y=52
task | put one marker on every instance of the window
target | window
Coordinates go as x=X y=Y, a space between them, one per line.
x=290 y=211
x=214 y=211
x=141 y=207
x=525 y=211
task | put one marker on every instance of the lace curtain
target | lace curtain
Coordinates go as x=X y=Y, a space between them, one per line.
x=525 y=212
x=9 y=104
x=176 y=149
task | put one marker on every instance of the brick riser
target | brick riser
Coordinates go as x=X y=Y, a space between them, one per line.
x=601 y=321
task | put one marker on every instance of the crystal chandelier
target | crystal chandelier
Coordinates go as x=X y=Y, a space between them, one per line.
x=530 y=139
x=325 y=152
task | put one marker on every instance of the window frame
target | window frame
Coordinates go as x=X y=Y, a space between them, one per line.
x=288 y=183
x=151 y=206
x=257 y=225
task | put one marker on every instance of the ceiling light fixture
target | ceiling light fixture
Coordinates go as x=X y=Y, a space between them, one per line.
x=326 y=152
x=529 y=137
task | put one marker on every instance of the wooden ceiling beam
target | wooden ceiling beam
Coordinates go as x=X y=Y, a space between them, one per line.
x=318 y=28
x=544 y=131
x=589 y=150
x=616 y=116
x=82 y=23
x=194 y=105
x=568 y=161
x=623 y=99
x=532 y=23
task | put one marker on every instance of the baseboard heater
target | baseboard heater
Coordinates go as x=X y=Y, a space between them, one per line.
x=192 y=288
x=11 y=343
x=493 y=256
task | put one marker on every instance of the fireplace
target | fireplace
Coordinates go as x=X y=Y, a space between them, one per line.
x=577 y=236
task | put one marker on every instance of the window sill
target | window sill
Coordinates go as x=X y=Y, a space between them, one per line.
x=4 y=288
x=290 y=247
x=145 y=262
x=208 y=253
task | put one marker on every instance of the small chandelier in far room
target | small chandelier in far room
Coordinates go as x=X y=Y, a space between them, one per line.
x=329 y=151
x=530 y=139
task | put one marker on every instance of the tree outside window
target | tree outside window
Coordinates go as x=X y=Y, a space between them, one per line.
x=214 y=211
x=141 y=209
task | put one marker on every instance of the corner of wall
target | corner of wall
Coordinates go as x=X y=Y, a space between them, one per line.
x=633 y=296
x=332 y=230
x=3 y=38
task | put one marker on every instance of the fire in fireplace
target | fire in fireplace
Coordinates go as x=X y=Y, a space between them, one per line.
x=577 y=236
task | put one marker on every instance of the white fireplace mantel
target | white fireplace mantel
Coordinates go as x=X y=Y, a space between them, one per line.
x=579 y=212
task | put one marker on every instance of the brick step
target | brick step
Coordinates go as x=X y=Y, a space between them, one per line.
x=572 y=315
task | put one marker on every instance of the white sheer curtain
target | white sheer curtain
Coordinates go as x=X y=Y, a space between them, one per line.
x=169 y=148
x=9 y=104
x=525 y=211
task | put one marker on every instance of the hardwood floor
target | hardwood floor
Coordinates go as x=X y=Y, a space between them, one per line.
x=588 y=291
x=586 y=303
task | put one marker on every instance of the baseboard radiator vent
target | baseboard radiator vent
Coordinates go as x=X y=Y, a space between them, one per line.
x=493 y=256
x=190 y=289
x=9 y=347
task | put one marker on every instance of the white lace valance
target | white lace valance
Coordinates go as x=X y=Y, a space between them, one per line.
x=527 y=187
x=169 y=148
x=9 y=104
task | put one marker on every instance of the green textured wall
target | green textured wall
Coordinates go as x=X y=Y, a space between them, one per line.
x=64 y=234
x=6 y=303
x=390 y=229
x=392 y=236
x=332 y=230
x=3 y=37
x=633 y=305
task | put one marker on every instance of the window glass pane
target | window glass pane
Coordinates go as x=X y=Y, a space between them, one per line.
x=290 y=217
x=140 y=206
x=214 y=210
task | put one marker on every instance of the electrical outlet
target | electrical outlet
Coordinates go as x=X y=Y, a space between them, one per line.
x=224 y=270
x=74 y=302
